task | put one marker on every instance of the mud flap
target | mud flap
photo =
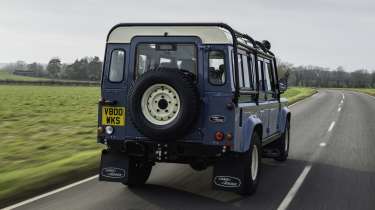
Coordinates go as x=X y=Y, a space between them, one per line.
x=228 y=174
x=114 y=166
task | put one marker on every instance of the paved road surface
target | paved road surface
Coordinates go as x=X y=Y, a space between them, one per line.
x=333 y=132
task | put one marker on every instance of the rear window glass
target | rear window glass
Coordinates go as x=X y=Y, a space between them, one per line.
x=216 y=68
x=166 y=55
x=116 y=68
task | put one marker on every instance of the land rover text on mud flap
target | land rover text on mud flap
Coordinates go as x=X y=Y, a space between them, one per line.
x=196 y=93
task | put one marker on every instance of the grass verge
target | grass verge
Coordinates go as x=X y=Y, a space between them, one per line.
x=47 y=137
x=295 y=94
x=369 y=91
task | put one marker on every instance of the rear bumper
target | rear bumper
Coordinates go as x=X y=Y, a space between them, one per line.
x=176 y=152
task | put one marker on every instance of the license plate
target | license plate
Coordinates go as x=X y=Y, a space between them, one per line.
x=113 y=116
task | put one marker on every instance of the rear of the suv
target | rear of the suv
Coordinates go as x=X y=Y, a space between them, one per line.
x=170 y=93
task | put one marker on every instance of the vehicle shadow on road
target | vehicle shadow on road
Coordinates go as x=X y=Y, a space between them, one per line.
x=193 y=189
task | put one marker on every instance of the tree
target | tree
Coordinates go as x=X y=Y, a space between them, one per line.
x=37 y=69
x=339 y=76
x=18 y=65
x=54 y=68
x=283 y=69
x=94 y=69
x=88 y=68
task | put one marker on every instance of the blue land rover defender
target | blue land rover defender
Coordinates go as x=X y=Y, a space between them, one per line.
x=196 y=93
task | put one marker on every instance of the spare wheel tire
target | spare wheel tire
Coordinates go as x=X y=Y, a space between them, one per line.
x=163 y=104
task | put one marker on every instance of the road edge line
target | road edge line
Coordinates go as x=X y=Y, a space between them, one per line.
x=30 y=200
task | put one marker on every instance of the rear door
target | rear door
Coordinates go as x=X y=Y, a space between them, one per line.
x=143 y=59
x=113 y=111
x=218 y=92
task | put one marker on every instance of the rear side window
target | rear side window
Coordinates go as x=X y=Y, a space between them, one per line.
x=246 y=71
x=252 y=72
x=272 y=75
x=240 y=72
x=116 y=68
x=268 y=77
x=216 y=67
x=260 y=75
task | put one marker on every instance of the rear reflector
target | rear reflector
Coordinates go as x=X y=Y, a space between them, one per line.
x=219 y=136
x=229 y=136
x=100 y=130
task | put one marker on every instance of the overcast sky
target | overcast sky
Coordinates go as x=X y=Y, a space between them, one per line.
x=317 y=32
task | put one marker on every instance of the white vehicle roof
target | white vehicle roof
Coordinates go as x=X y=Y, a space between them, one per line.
x=208 y=34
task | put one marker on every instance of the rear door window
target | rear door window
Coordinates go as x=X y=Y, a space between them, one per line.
x=216 y=67
x=166 y=55
x=116 y=68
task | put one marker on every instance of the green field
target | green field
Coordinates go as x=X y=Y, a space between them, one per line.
x=48 y=136
x=8 y=76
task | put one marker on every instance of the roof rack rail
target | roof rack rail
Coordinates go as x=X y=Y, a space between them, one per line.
x=256 y=44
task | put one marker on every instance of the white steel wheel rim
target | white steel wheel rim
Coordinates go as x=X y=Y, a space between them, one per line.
x=254 y=163
x=286 y=146
x=160 y=104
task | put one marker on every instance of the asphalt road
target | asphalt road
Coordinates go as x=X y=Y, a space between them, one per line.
x=332 y=156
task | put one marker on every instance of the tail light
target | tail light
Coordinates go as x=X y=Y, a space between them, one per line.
x=219 y=136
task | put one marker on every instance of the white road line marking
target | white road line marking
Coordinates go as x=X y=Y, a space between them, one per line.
x=342 y=101
x=343 y=96
x=339 y=109
x=331 y=126
x=323 y=144
x=292 y=192
x=49 y=193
